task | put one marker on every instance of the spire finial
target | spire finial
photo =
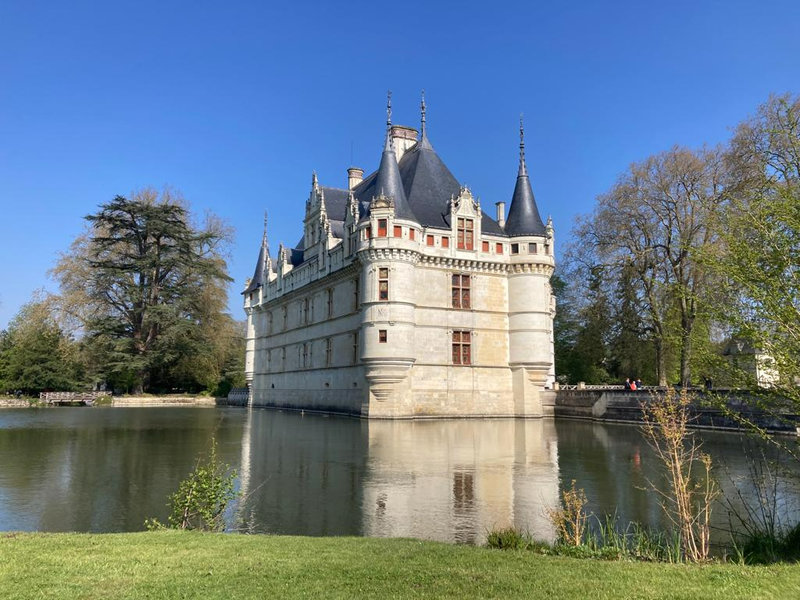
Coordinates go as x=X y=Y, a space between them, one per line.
x=523 y=169
x=265 y=227
x=422 y=111
x=389 y=109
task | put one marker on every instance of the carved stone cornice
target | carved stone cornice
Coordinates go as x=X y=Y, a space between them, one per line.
x=533 y=268
x=389 y=253
x=476 y=264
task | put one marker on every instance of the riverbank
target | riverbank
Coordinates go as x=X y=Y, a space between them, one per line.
x=127 y=401
x=173 y=564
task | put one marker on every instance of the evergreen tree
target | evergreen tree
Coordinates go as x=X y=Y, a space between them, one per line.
x=148 y=288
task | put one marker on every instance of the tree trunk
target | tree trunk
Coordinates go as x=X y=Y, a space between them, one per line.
x=661 y=362
x=686 y=354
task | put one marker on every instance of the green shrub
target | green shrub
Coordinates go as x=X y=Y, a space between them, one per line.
x=508 y=538
x=202 y=497
x=760 y=548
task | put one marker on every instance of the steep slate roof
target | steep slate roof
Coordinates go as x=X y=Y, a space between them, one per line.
x=428 y=185
x=259 y=276
x=421 y=186
x=385 y=181
x=335 y=202
x=523 y=215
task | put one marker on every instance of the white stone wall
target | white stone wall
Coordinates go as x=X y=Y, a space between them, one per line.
x=510 y=320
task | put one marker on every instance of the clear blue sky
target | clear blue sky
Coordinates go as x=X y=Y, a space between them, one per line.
x=234 y=104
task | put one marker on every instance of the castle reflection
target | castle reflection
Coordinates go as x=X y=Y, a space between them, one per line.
x=442 y=480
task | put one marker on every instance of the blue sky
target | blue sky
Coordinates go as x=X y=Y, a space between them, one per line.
x=234 y=104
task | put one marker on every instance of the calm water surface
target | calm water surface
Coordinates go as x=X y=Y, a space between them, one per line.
x=108 y=469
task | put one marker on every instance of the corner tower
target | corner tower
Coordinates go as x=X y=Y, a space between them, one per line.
x=530 y=303
x=388 y=272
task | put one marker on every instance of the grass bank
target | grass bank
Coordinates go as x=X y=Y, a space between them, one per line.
x=170 y=564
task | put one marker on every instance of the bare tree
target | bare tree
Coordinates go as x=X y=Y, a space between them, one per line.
x=652 y=224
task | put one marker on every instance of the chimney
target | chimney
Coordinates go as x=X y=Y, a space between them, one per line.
x=501 y=213
x=403 y=138
x=354 y=177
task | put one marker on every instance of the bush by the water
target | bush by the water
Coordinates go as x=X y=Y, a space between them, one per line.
x=760 y=548
x=604 y=540
x=202 y=497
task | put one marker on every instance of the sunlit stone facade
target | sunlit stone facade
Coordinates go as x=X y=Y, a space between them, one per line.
x=404 y=299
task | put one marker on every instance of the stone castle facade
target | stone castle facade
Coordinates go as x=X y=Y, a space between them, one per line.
x=404 y=299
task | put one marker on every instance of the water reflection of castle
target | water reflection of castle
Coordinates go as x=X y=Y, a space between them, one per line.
x=444 y=480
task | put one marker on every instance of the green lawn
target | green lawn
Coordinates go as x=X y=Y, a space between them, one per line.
x=194 y=565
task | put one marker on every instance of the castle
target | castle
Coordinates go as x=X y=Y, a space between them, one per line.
x=404 y=299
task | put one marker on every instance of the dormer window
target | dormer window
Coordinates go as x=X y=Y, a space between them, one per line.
x=465 y=233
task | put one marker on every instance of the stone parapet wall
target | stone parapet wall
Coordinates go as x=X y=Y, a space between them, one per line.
x=137 y=401
x=13 y=403
x=713 y=410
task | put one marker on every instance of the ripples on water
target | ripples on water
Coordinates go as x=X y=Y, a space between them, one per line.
x=108 y=469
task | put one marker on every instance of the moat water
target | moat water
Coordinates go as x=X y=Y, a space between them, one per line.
x=109 y=469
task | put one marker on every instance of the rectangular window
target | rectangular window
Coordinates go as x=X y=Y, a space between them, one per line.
x=382 y=336
x=532 y=249
x=398 y=231
x=460 y=291
x=514 y=248
x=355 y=347
x=382 y=228
x=269 y=323
x=367 y=233
x=485 y=246
x=305 y=311
x=411 y=234
x=498 y=248
x=462 y=354
x=445 y=242
x=356 y=292
x=547 y=248
x=328 y=352
x=383 y=283
x=429 y=240
x=285 y=317
x=465 y=233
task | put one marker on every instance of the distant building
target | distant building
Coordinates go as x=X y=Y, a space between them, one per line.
x=759 y=365
x=404 y=299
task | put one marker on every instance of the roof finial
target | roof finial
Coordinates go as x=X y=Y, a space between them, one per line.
x=389 y=109
x=521 y=137
x=265 y=227
x=422 y=111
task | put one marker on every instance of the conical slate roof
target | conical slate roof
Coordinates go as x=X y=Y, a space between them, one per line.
x=260 y=275
x=523 y=215
x=386 y=181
